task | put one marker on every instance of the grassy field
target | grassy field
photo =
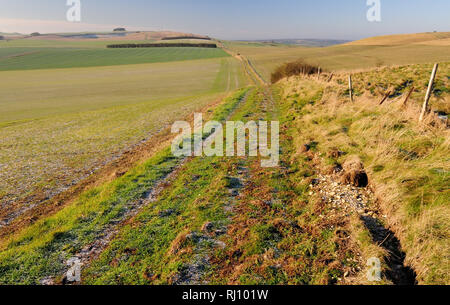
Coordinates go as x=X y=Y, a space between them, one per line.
x=89 y=115
x=378 y=52
x=45 y=58
x=40 y=251
x=29 y=54
x=61 y=91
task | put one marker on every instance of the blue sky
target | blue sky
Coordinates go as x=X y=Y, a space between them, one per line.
x=232 y=19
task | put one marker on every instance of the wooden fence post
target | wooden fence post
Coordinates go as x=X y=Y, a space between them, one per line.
x=429 y=91
x=330 y=78
x=318 y=73
x=408 y=96
x=350 y=87
x=385 y=97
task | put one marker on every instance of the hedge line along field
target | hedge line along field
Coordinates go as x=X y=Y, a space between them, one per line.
x=68 y=122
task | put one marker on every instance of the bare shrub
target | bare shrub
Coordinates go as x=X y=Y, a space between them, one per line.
x=298 y=67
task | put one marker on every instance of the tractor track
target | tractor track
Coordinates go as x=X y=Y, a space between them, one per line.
x=93 y=250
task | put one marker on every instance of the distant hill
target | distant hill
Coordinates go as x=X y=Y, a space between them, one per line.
x=116 y=36
x=306 y=42
x=435 y=38
x=10 y=34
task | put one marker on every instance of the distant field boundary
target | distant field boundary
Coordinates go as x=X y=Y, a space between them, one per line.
x=185 y=37
x=162 y=45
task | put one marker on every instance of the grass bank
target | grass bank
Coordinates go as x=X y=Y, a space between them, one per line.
x=407 y=162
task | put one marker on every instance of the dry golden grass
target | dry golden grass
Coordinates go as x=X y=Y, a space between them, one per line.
x=438 y=42
x=422 y=38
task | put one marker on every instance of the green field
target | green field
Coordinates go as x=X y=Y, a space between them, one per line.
x=50 y=92
x=91 y=114
x=51 y=58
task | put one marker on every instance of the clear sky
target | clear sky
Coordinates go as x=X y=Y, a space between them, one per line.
x=231 y=19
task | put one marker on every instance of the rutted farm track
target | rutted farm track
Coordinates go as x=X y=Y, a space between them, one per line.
x=93 y=250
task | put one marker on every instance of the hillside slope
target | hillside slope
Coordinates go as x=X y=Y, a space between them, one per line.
x=364 y=54
x=438 y=38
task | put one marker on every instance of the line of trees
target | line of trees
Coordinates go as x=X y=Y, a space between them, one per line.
x=162 y=45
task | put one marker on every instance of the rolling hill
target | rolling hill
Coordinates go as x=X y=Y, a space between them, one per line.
x=435 y=38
